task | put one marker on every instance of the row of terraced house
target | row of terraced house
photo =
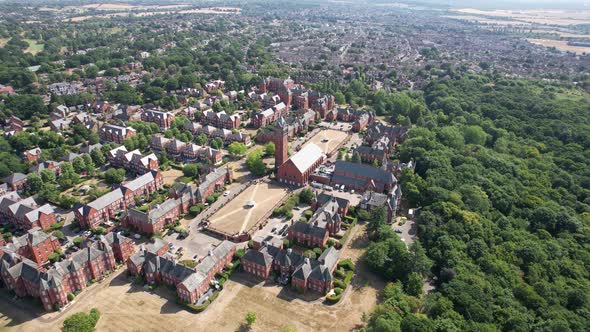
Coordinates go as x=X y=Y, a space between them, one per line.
x=221 y=119
x=108 y=206
x=226 y=135
x=191 y=283
x=133 y=161
x=292 y=267
x=162 y=118
x=26 y=213
x=52 y=286
x=181 y=197
x=186 y=151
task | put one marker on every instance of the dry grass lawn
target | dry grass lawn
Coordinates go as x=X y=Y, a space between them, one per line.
x=333 y=137
x=236 y=218
x=125 y=307
x=171 y=175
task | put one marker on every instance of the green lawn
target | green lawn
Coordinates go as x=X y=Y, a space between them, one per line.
x=34 y=46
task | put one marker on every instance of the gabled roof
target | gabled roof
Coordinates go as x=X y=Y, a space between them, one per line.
x=105 y=200
x=324 y=198
x=329 y=257
x=304 y=270
x=374 y=199
x=141 y=181
x=365 y=171
x=306 y=157
x=14 y=178
x=259 y=257
x=312 y=230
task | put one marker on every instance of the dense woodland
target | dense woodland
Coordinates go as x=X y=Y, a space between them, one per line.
x=504 y=190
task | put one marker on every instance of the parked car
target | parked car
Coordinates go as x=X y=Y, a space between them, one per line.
x=225 y=194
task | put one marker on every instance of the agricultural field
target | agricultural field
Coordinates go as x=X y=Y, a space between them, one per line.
x=561 y=45
x=549 y=17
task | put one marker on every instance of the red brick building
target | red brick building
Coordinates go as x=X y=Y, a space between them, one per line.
x=133 y=161
x=32 y=155
x=161 y=118
x=117 y=134
x=281 y=141
x=108 y=206
x=190 y=284
x=26 y=213
x=122 y=246
x=25 y=278
x=297 y=169
x=15 y=181
x=308 y=234
x=36 y=245
x=182 y=197
x=268 y=116
x=362 y=177
x=221 y=119
x=303 y=274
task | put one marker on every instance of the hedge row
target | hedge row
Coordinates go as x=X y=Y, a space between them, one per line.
x=200 y=308
x=346 y=264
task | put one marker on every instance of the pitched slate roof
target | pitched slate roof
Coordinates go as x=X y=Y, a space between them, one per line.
x=374 y=199
x=103 y=201
x=14 y=178
x=288 y=258
x=259 y=257
x=327 y=213
x=367 y=150
x=90 y=148
x=303 y=271
x=312 y=230
x=329 y=257
x=113 y=237
x=323 y=198
x=193 y=281
x=141 y=181
x=365 y=171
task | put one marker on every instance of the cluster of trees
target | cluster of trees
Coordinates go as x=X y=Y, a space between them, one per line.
x=81 y=321
x=114 y=176
x=502 y=180
x=255 y=164
x=53 y=147
x=50 y=187
x=388 y=255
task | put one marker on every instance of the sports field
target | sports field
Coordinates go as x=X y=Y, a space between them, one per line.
x=235 y=217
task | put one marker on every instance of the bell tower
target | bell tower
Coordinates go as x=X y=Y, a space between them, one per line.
x=281 y=140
